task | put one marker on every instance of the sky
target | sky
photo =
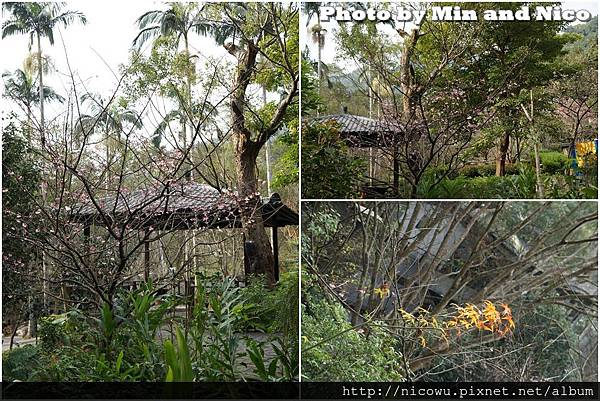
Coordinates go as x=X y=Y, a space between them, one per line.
x=93 y=49
x=329 y=51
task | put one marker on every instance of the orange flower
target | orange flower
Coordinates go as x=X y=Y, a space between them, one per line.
x=383 y=291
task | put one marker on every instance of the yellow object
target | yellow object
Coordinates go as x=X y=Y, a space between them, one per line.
x=382 y=292
x=583 y=151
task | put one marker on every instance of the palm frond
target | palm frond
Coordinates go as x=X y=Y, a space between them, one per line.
x=149 y=18
x=159 y=132
x=68 y=17
x=202 y=28
x=132 y=117
x=50 y=94
x=144 y=35
x=223 y=31
x=10 y=28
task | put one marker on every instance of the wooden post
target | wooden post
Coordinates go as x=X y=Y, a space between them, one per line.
x=371 y=165
x=275 y=254
x=146 y=256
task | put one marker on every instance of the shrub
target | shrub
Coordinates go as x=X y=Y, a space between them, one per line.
x=328 y=170
x=466 y=188
x=438 y=171
x=332 y=350
x=521 y=185
x=478 y=170
x=52 y=332
x=20 y=363
x=122 y=344
x=270 y=310
x=487 y=170
x=554 y=162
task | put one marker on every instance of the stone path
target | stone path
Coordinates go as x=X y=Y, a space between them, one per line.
x=18 y=342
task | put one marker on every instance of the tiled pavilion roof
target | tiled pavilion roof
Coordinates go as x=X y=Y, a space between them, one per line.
x=182 y=206
x=360 y=131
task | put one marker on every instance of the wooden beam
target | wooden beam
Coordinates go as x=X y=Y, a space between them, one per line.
x=275 y=254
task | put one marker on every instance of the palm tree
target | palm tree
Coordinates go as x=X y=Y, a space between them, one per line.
x=22 y=88
x=110 y=120
x=318 y=37
x=313 y=9
x=180 y=20
x=38 y=20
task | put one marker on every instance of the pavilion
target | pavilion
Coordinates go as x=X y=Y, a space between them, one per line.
x=185 y=206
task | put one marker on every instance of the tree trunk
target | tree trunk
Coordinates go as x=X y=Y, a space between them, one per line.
x=250 y=207
x=407 y=81
x=43 y=143
x=246 y=153
x=32 y=329
x=40 y=75
x=14 y=333
x=319 y=61
x=408 y=87
x=501 y=162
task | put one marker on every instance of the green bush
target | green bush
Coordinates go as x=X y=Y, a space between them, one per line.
x=20 y=363
x=554 y=162
x=438 y=171
x=334 y=351
x=521 y=185
x=270 y=310
x=478 y=170
x=328 y=169
x=122 y=343
x=478 y=187
x=486 y=170
x=52 y=332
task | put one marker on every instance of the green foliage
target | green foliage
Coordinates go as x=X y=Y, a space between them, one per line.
x=334 y=351
x=20 y=363
x=588 y=32
x=266 y=372
x=286 y=167
x=328 y=170
x=571 y=187
x=466 y=188
x=178 y=360
x=52 y=332
x=165 y=70
x=486 y=170
x=310 y=94
x=479 y=187
x=213 y=330
x=122 y=343
x=223 y=310
x=270 y=310
x=554 y=162
x=107 y=325
x=519 y=185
